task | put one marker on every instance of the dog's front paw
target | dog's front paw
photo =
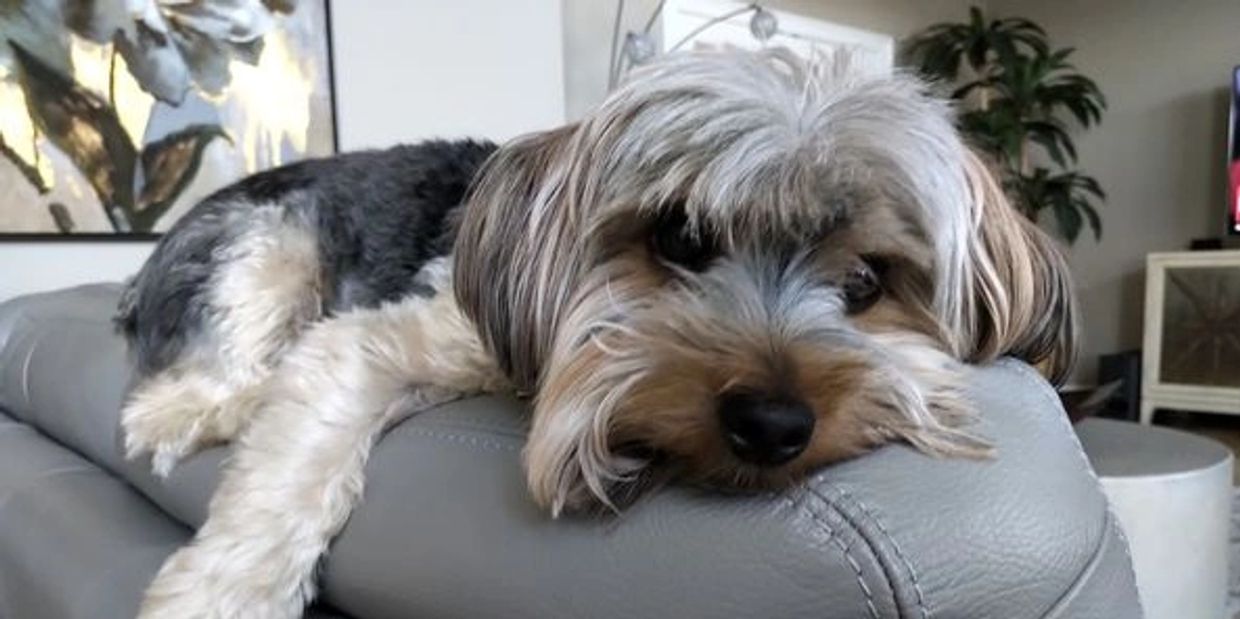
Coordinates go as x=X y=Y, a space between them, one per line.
x=167 y=431
x=173 y=417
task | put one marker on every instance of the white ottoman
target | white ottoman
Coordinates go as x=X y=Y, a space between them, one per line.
x=1171 y=492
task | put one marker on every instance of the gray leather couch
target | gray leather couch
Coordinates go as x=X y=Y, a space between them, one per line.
x=447 y=531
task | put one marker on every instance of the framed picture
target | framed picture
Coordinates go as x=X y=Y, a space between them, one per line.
x=117 y=116
x=1191 y=354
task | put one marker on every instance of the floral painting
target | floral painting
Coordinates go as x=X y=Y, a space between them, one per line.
x=116 y=116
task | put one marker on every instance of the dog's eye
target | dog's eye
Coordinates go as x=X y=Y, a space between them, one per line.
x=863 y=284
x=673 y=241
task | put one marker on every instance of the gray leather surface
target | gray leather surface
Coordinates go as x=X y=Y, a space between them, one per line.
x=62 y=369
x=1096 y=592
x=74 y=541
x=447 y=530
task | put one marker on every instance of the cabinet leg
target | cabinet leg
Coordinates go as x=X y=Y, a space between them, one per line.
x=1147 y=412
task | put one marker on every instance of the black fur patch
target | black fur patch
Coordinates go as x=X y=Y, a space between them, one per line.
x=379 y=216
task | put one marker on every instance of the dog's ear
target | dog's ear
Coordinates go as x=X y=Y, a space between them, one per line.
x=1018 y=296
x=515 y=252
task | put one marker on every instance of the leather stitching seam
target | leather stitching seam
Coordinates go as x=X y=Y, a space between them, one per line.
x=846 y=549
x=462 y=439
x=443 y=425
x=908 y=565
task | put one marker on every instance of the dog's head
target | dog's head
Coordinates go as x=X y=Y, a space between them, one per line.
x=750 y=265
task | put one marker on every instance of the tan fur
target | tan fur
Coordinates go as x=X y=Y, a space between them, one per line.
x=262 y=299
x=763 y=153
x=1023 y=302
x=282 y=499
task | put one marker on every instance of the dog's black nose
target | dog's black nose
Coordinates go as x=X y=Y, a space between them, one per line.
x=765 y=430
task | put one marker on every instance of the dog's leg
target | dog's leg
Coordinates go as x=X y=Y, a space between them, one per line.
x=268 y=288
x=298 y=469
x=266 y=291
x=178 y=411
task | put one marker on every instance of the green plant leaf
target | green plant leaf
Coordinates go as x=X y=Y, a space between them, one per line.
x=938 y=50
x=934 y=53
x=84 y=128
x=1022 y=25
x=1003 y=46
x=1033 y=94
x=976 y=53
x=1085 y=112
x=168 y=166
x=1090 y=184
x=1069 y=220
x=1059 y=56
x=1052 y=136
x=996 y=130
x=965 y=90
x=1052 y=148
x=1095 y=222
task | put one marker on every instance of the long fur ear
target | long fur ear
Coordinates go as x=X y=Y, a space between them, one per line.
x=520 y=256
x=1019 y=297
x=515 y=253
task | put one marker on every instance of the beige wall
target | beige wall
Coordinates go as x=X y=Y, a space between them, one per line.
x=1164 y=67
x=588 y=24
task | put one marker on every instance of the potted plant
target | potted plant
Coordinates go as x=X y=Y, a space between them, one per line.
x=1018 y=97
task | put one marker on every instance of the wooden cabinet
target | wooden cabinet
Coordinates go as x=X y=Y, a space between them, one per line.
x=1191 y=356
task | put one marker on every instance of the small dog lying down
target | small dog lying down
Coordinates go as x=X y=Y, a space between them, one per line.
x=742 y=266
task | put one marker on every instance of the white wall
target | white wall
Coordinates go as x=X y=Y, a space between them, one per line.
x=1159 y=153
x=431 y=68
x=31 y=267
x=405 y=70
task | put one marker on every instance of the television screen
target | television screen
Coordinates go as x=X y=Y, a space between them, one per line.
x=1233 y=156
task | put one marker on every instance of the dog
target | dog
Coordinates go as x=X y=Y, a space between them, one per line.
x=740 y=267
x=237 y=280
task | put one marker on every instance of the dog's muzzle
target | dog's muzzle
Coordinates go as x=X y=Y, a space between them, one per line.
x=764 y=429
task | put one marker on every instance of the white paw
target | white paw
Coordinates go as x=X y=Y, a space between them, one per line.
x=168 y=430
x=166 y=456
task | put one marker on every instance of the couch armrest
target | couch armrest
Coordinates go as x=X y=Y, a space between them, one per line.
x=447 y=529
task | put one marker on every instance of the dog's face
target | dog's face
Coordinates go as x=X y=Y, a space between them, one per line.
x=747 y=266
